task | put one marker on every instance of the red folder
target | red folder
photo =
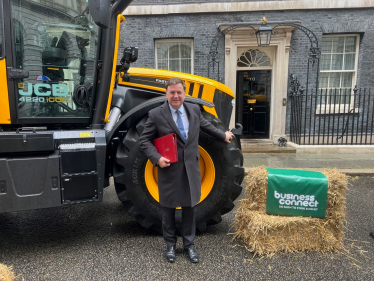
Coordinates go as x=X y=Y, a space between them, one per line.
x=167 y=147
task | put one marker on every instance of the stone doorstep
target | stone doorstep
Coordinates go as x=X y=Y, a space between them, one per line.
x=331 y=149
x=267 y=146
x=264 y=146
x=270 y=149
x=348 y=172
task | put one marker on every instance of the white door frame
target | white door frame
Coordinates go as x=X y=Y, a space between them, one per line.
x=239 y=38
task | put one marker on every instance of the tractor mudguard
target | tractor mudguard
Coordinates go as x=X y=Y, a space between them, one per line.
x=132 y=115
x=127 y=98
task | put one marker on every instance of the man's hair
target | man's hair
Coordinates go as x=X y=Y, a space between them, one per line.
x=175 y=81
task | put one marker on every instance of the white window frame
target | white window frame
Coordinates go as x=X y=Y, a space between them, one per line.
x=326 y=108
x=176 y=40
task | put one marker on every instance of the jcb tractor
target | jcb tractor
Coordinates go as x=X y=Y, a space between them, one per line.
x=70 y=117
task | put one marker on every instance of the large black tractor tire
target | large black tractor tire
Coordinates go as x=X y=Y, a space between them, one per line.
x=130 y=182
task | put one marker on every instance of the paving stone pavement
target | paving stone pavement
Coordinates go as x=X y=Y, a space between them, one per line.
x=354 y=164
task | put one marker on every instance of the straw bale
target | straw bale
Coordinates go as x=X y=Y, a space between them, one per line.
x=267 y=234
x=6 y=273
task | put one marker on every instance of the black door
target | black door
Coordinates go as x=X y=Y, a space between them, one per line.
x=253 y=95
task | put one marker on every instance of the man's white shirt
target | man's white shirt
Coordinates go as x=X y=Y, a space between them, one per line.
x=183 y=117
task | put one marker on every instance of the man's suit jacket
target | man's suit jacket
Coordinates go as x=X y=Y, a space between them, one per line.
x=179 y=184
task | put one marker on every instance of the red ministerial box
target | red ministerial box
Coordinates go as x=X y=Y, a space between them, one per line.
x=167 y=147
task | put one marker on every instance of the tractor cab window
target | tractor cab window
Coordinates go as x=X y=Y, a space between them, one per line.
x=56 y=42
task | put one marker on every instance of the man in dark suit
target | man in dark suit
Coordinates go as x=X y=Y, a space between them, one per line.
x=179 y=183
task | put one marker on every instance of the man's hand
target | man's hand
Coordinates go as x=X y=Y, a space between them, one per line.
x=163 y=162
x=229 y=136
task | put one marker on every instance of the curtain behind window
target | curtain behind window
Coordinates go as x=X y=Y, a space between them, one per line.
x=174 y=56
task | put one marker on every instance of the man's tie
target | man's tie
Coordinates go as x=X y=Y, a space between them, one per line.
x=180 y=126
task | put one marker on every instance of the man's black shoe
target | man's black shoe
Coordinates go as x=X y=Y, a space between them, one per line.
x=372 y=234
x=170 y=254
x=192 y=254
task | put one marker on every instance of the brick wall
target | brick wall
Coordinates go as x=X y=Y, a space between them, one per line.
x=141 y=31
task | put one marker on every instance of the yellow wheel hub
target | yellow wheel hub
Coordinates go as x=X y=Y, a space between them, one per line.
x=207 y=171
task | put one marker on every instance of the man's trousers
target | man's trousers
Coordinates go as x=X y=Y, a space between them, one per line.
x=187 y=230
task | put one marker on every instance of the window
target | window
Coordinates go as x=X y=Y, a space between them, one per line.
x=253 y=58
x=59 y=52
x=338 y=68
x=175 y=55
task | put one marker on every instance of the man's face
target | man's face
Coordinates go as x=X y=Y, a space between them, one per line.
x=175 y=95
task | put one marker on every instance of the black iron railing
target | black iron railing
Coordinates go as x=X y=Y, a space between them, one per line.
x=340 y=116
